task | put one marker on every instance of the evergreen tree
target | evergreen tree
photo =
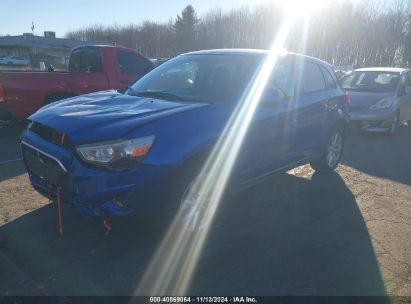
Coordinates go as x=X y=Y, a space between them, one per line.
x=186 y=30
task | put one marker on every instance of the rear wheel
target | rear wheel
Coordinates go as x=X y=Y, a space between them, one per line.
x=332 y=152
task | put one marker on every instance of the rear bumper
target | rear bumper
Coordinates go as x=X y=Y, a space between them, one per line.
x=96 y=192
x=373 y=122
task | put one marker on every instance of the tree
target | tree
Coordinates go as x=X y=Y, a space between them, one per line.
x=186 y=30
x=363 y=33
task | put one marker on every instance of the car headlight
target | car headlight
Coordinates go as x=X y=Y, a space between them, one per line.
x=116 y=155
x=382 y=104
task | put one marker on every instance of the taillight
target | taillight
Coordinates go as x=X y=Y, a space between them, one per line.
x=347 y=97
x=2 y=99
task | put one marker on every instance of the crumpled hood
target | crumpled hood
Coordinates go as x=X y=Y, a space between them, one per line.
x=366 y=99
x=105 y=115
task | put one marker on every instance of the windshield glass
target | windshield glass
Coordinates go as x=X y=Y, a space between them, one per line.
x=368 y=81
x=198 y=78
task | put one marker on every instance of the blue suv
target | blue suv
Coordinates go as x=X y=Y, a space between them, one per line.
x=116 y=153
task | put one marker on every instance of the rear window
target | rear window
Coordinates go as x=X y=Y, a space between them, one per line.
x=131 y=64
x=85 y=60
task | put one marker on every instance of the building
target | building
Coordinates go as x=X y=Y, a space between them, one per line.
x=47 y=48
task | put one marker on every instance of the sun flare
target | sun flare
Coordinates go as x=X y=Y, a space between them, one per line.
x=303 y=7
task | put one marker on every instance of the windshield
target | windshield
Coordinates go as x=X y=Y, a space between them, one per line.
x=368 y=81
x=198 y=78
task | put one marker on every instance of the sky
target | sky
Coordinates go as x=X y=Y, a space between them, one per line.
x=62 y=16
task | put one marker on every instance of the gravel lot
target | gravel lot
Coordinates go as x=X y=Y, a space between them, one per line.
x=298 y=233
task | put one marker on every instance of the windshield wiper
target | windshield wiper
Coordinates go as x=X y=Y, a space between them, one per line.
x=161 y=95
x=129 y=90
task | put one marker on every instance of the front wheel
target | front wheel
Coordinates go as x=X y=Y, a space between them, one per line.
x=332 y=152
x=196 y=208
x=193 y=201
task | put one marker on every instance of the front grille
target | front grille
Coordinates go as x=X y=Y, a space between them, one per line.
x=356 y=123
x=356 y=108
x=47 y=168
x=52 y=135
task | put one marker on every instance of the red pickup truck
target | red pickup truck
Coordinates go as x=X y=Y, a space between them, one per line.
x=90 y=69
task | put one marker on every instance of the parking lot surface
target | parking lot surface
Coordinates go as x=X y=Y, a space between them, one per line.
x=297 y=233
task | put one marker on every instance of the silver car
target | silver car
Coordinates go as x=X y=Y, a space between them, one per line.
x=14 y=60
x=380 y=98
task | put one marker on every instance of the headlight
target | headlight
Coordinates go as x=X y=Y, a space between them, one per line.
x=116 y=155
x=382 y=104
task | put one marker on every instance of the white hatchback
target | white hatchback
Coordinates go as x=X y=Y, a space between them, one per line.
x=14 y=60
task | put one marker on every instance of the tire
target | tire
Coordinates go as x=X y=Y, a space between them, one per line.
x=332 y=152
x=189 y=208
x=394 y=124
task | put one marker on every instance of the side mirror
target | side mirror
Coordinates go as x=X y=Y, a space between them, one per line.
x=272 y=97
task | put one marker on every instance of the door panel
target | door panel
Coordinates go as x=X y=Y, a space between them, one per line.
x=268 y=143
x=314 y=113
x=316 y=101
x=270 y=137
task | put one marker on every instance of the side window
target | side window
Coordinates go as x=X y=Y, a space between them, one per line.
x=85 y=60
x=310 y=78
x=329 y=80
x=131 y=64
x=282 y=78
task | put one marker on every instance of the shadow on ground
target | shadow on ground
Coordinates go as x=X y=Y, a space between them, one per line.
x=10 y=155
x=379 y=154
x=287 y=236
x=10 y=170
x=13 y=129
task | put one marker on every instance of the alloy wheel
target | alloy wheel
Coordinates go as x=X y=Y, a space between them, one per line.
x=195 y=211
x=334 y=149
